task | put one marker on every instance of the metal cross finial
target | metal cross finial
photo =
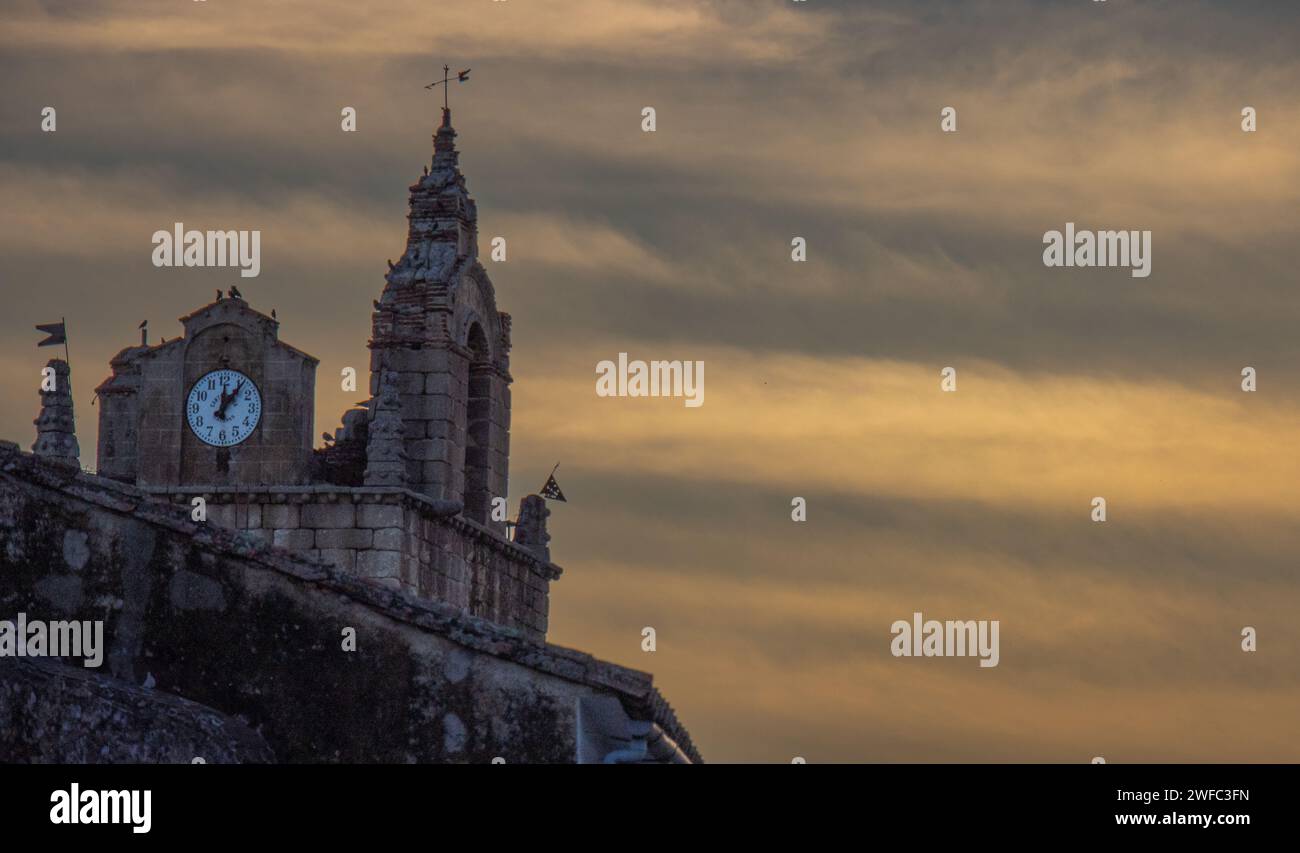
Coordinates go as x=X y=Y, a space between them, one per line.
x=461 y=77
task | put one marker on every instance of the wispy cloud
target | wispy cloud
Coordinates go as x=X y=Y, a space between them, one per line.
x=775 y=120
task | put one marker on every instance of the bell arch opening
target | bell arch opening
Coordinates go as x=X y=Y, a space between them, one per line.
x=478 y=426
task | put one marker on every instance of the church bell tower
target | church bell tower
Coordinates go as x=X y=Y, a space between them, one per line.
x=439 y=363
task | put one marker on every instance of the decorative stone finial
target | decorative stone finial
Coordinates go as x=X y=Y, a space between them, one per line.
x=445 y=155
x=56 y=433
x=530 y=530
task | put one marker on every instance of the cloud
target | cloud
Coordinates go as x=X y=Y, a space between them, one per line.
x=789 y=668
x=876 y=426
x=775 y=120
x=550 y=29
x=554 y=245
x=144 y=201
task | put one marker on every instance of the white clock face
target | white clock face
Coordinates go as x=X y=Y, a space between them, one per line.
x=223 y=408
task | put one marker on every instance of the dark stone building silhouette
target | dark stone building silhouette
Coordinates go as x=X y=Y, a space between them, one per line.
x=404 y=495
x=226 y=556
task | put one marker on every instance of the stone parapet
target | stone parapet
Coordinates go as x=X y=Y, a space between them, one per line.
x=392 y=537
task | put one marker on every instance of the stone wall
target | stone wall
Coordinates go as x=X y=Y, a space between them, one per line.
x=432 y=385
x=394 y=538
x=218 y=617
x=145 y=438
x=118 y=454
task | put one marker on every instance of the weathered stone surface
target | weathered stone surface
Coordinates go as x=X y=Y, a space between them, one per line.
x=379 y=564
x=258 y=632
x=374 y=515
x=328 y=515
x=144 y=436
x=294 y=540
x=436 y=326
x=55 y=713
x=389 y=539
x=283 y=516
x=386 y=449
x=343 y=538
x=55 y=431
x=441 y=555
x=530 y=532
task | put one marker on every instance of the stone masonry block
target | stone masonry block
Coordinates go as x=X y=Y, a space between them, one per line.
x=343 y=558
x=284 y=516
x=429 y=450
x=428 y=407
x=441 y=384
x=261 y=535
x=329 y=515
x=380 y=515
x=343 y=538
x=436 y=472
x=388 y=538
x=294 y=540
x=221 y=514
x=410 y=383
x=379 y=564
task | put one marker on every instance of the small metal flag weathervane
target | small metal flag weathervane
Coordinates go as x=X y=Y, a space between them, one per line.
x=58 y=334
x=551 y=491
x=461 y=77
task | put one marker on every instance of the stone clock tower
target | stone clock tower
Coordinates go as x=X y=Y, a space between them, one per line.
x=409 y=492
x=228 y=404
x=438 y=331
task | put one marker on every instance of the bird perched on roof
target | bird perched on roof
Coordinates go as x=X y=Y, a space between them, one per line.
x=220 y=296
x=273 y=317
x=234 y=293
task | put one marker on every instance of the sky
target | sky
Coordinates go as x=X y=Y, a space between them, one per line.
x=774 y=120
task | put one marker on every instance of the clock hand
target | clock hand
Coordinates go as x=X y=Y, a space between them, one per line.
x=226 y=401
x=219 y=412
x=218 y=403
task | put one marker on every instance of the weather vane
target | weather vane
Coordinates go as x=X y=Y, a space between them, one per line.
x=461 y=77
